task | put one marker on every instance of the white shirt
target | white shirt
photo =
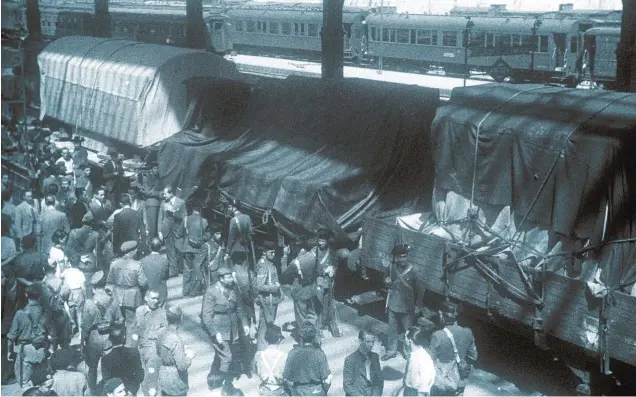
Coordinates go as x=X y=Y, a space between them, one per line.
x=73 y=278
x=58 y=258
x=68 y=164
x=420 y=373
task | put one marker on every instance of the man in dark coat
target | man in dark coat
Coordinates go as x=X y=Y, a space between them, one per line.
x=326 y=260
x=239 y=235
x=122 y=362
x=405 y=296
x=29 y=264
x=82 y=241
x=307 y=370
x=148 y=179
x=80 y=154
x=442 y=347
x=157 y=270
x=223 y=319
x=301 y=275
x=50 y=220
x=194 y=251
x=127 y=224
x=113 y=175
x=361 y=375
x=100 y=206
x=171 y=229
x=269 y=294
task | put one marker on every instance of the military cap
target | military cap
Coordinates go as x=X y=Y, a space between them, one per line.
x=88 y=218
x=128 y=246
x=269 y=245
x=401 y=249
x=78 y=139
x=426 y=325
x=223 y=270
x=307 y=332
x=97 y=277
x=324 y=233
x=353 y=259
x=40 y=374
x=236 y=203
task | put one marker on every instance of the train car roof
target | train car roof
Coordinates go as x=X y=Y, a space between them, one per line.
x=500 y=24
x=286 y=15
x=604 y=31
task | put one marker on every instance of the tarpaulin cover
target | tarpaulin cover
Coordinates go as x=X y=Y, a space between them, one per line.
x=316 y=152
x=562 y=157
x=122 y=90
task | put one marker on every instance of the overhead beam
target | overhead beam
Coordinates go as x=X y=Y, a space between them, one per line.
x=332 y=35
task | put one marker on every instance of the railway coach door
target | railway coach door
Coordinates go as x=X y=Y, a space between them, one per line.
x=558 y=57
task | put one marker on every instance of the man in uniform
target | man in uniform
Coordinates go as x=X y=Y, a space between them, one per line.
x=301 y=275
x=326 y=259
x=80 y=155
x=222 y=317
x=82 y=241
x=194 y=251
x=126 y=278
x=171 y=229
x=269 y=294
x=27 y=338
x=215 y=253
x=150 y=321
x=175 y=358
x=239 y=235
x=405 y=295
x=307 y=370
x=157 y=270
x=148 y=179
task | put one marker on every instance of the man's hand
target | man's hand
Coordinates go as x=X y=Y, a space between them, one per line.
x=330 y=271
x=219 y=339
x=135 y=337
x=246 y=329
x=286 y=250
x=10 y=356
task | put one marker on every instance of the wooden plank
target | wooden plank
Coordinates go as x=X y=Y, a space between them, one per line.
x=622 y=347
x=626 y=304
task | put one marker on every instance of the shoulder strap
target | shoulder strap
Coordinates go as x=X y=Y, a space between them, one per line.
x=452 y=339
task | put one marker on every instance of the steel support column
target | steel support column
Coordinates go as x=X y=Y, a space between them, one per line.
x=332 y=36
x=195 y=25
x=102 y=19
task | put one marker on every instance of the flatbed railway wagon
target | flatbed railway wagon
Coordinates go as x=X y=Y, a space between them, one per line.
x=532 y=222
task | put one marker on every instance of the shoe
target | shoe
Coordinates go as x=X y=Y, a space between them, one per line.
x=387 y=357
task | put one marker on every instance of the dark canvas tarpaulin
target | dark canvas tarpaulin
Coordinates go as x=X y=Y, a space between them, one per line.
x=561 y=158
x=315 y=152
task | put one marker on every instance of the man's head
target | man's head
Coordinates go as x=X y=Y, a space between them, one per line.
x=152 y=299
x=5 y=179
x=273 y=335
x=49 y=200
x=269 y=250
x=226 y=278
x=125 y=200
x=66 y=154
x=448 y=312
x=401 y=252
x=174 y=314
x=100 y=194
x=168 y=193
x=114 y=387
x=59 y=236
x=86 y=169
x=28 y=196
x=65 y=184
x=42 y=377
x=307 y=333
x=215 y=229
x=77 y=142
x=367 y=341
x=32 y=292
x=117 y=336
x=323 y=237
x=155 y=244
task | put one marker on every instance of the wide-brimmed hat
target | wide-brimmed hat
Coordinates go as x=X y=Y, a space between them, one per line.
x=269 y=246
x=324 y=233
x=401 y=249
x=78 y=139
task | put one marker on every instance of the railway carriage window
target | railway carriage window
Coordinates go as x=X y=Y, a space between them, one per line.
x=261 y=27
x=388 y=35
x=574 y=45
x=312 y=29
x=506 y=41
x=449 y=39
x=478 y=40
x=490 y=40
x=413 y=36
x=516 y=40
x=542 y=43
x=238 y=26
x=286 y=28
x=373 y=34
x=403 y=36
x=250 y=26
x=274 y=28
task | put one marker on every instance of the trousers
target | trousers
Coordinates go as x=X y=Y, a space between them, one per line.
x=399 y=323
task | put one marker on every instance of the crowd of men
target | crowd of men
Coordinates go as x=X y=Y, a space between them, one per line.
x=86 y=263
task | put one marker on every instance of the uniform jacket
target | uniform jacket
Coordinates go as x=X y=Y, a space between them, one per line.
x=83 y=182
x=405 y=290
x=80 y=242
x=157 y=271
x=325 y=260
x=221 y=313
x=269 y=295
x=305 y=287
x=80 y=156
x=442 y=347
x=173 y=373
x=194 y=226
x=124 y=363
x=127 y=226
x=238 y=235
x=149 y=324
x=171 y=218
x=127 y=278
x=50 y=220
x=354 y=374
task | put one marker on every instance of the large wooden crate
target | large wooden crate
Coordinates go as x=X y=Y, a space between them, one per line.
x=568 y=312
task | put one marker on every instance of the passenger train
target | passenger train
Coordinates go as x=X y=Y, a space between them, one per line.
x=556 y=47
